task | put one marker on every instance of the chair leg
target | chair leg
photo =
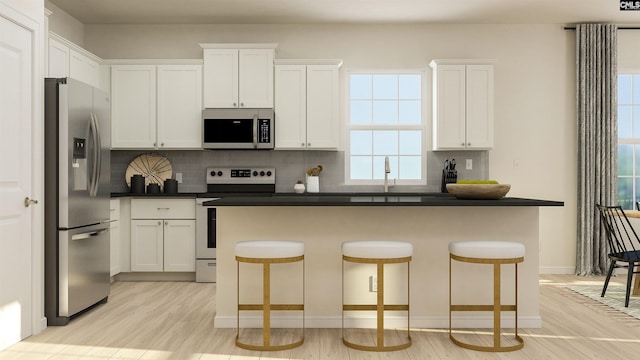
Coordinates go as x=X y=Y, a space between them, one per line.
x=629 y=278
x=606 y=281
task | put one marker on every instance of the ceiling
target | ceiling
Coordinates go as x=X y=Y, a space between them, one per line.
x=346 y=11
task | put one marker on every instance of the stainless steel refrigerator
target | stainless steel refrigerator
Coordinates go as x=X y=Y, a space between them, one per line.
x=77 y=191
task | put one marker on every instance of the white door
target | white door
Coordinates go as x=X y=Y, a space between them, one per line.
x=16 y=117
x=180 y=106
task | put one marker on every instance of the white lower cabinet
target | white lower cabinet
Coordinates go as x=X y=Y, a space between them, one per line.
x=114 y=230
x=163 y=235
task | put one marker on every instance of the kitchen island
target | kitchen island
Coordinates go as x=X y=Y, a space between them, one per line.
x=429 y=222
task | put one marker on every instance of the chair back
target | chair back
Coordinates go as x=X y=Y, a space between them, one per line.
x=621 y=235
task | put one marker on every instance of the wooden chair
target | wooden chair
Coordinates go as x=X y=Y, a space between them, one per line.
x=624 y=245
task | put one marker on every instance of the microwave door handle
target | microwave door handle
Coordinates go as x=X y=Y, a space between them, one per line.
x=255 y=131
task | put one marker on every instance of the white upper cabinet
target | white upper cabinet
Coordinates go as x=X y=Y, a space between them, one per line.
x=238 y=75
x=156 y=106
x=180 y=106
x=306 y=104
x=463 y=99
x=133 y=106
x=67 y=59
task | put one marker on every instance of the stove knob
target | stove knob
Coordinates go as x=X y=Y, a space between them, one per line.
x=261 y=173
x=255 y=173
x=219 y=173
x=269 y=173
x=213 y=173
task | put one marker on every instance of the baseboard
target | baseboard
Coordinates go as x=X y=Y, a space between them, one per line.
x=155 y=276
x=333 y=322
x=557 y=270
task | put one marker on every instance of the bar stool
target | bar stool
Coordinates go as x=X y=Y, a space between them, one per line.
x=379 y=253
x=267 y=253
x=495 y=253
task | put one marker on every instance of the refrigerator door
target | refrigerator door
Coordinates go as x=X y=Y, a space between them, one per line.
x=83 y=268
x=102 y=115
x=81 y=157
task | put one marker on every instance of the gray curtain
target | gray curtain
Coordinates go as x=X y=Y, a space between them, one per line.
x=596 y=47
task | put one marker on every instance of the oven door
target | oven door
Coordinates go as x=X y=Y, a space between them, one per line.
x=206 y=239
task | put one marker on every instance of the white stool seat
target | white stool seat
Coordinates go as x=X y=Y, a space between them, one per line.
x=377 y=249
x=268 y=249
x=487 y=249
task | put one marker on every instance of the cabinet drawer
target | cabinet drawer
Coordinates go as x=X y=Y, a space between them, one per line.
x=163 y=209
x=114 y=209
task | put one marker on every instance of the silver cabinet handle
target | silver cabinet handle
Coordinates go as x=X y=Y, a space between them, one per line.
x=234 y=105
x=28 y=202
x=242 y=104
x=166 y=223
x=164 y=208
x=159 y=223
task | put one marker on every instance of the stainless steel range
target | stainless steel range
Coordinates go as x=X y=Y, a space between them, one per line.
x=223 y=182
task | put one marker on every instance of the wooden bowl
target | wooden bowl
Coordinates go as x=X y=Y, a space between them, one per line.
x=479 y=191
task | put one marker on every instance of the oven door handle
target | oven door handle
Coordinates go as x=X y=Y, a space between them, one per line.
x=255 y=131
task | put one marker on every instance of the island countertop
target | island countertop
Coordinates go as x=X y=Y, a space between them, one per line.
x=369 y=199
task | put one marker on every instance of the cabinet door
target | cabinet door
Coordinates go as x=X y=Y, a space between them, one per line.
x=114 y=249
x=256 y=78
x=133 y=106
x=291 y=106
x=479 y=95
x=83 y=68
x=146 y=245
x=220 y=78
x=180 y=106
x=58 y=59
x=179 y=245
x=449 y=111
x=322 y=107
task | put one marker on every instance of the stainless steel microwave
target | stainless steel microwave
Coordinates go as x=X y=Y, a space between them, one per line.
x=238 y=129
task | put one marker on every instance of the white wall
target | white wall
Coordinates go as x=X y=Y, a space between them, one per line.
x=629 y=50
x=535 y=145
x=65 y=25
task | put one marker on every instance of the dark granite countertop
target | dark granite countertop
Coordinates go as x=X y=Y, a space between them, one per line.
x=369 y=199
x=160 y=195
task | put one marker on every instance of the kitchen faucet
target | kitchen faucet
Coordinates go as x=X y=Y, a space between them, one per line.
x=387 y=170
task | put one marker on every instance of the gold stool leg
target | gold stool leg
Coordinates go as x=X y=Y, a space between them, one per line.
x=380 y=307
x=267 y=306
x=496 y=308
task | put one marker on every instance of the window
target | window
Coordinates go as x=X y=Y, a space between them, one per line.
x=385 y=119
x=628 y=140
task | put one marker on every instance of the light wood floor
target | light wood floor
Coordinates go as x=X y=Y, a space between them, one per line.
x=173 y=320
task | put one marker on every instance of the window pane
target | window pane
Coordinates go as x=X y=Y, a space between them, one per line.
x=625 y=159
x=385 y=143
x=409 y=112
x=625 y=119
x=385 y=86
x=360 y=87
x=625 y=192
x=385 y=112
x=410 y=167
x=360 y=142
x=409 y=87
x=360 y=112
x=378 y=168
x=410 y=142
x=624 y=89
x=636 y=121
x=361 y=167
x=636 y=89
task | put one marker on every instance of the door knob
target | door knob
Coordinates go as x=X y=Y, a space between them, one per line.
x=28 y=202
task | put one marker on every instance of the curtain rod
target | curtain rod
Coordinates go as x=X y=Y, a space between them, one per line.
x=620 y=28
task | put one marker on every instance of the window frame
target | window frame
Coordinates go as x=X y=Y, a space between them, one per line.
x=395 y=127
x=628 y=141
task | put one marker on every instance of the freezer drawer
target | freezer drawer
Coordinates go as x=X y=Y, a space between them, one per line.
x=83 y=268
